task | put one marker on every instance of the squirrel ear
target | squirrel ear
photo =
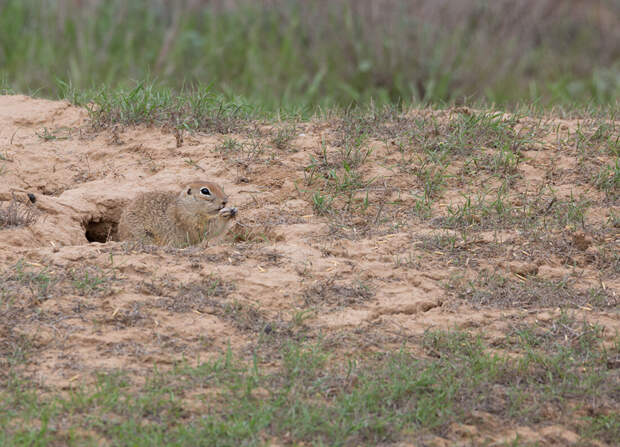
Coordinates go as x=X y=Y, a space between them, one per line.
x=189 y=191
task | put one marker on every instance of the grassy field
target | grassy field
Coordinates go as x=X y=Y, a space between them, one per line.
x=312 y=396
x=295 y=55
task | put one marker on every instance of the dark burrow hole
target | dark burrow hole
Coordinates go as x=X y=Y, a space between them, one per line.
x=101 y=231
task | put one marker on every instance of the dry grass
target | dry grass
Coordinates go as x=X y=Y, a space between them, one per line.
x=16 y=214
x=495 y=290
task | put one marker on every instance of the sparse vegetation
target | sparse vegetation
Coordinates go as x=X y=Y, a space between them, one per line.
x=36 y=283
x=16 y=214
x=496 y=290
x=342 y=189
x=332 y=293
x=608 y=180
x=197 y=108
x=283 y=136
x=312 y=397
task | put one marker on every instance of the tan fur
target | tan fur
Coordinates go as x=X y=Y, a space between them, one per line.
x=178 y=219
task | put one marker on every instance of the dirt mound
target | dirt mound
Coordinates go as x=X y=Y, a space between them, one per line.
x=345 y=228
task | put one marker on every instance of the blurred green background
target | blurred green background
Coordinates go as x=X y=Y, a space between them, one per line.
x=320 y=53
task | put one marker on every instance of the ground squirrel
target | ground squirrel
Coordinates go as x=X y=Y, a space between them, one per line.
x=198 y=213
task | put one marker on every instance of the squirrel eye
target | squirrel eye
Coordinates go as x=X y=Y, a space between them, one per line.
x=205 y=191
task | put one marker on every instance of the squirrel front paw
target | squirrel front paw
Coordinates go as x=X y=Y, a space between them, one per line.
x=228 y=213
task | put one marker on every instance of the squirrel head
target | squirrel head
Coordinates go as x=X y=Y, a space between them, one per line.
x=204 y=196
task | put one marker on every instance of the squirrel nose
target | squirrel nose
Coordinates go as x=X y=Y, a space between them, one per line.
x=224 y=202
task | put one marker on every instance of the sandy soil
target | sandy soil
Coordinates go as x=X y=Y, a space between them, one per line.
x=375 y=281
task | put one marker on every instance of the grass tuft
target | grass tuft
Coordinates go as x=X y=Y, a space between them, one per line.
x=16 y=214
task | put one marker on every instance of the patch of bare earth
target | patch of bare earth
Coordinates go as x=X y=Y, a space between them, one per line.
x=363 y=233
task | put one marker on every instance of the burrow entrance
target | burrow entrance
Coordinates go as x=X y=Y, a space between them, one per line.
x=103 y=230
